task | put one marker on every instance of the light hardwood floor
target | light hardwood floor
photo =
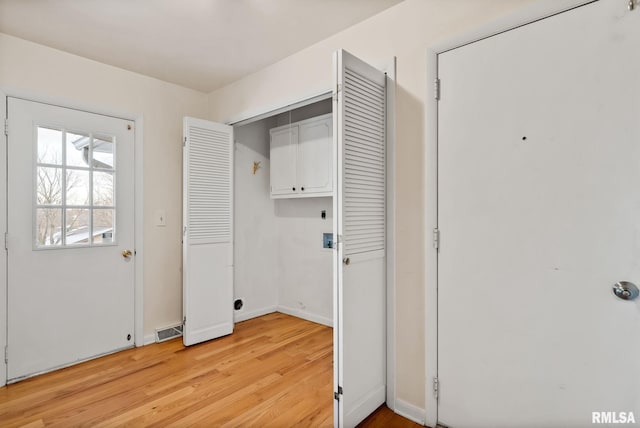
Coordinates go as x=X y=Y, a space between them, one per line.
x=273 y=371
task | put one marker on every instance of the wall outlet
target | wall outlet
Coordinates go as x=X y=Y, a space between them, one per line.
x=327 y=240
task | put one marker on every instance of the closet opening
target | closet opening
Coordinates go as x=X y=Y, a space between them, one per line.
x=283 y=213
x=288 y=212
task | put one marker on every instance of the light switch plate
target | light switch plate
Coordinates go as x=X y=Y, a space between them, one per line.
x=160 y=217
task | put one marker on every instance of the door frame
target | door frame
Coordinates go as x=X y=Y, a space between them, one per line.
x=138 y=206
x=525 y=16
x=388 y=67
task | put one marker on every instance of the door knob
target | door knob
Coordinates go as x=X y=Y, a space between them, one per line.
x=346 y=261
x=126 y=253
x=625 y=290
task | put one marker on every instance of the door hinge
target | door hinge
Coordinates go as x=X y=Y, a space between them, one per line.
x=436 y=89
x=436 y=387
x=184 y=142
x=337 y=241
x=184 y=320
x=338 y=90
x=6 y=354
x=6 y=241
x=436 y=238
x=6 y=126
x=336 y=395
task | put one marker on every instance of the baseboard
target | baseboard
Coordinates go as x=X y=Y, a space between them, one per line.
x=243 y=315
x=246 y=315
x=305 y=315
x=149 y=339
x=409 y=411
x=365 y=406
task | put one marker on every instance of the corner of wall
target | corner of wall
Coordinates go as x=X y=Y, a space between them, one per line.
x=409 y=411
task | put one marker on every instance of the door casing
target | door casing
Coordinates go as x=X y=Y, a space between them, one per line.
x=138 y=206
x=525 y=16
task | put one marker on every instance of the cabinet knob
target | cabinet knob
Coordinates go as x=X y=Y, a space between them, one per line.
x=293 y=188
x=302 y=188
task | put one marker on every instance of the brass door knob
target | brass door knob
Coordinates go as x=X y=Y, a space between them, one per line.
x=346 y=261
x=126 y=253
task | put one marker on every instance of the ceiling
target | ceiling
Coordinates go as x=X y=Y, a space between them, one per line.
x=200 y=44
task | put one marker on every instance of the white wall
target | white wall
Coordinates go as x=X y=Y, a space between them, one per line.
x=255 y=222
x=305 y=269
x=404 y=31
x=44 y=72
x=278 y=256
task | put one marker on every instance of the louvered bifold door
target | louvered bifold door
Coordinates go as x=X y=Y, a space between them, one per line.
x=359 y=207
x=207 y=230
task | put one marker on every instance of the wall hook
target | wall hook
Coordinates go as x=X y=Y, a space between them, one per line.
x=256 y=167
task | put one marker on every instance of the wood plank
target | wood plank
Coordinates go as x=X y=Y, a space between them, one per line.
x=275 y=370
x=384 y=417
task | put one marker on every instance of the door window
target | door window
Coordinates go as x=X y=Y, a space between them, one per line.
x=74 y=189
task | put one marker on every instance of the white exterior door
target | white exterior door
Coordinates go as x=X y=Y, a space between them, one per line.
x=207 y=263
x=359 y=119
x=539 y=217
x=70 y=236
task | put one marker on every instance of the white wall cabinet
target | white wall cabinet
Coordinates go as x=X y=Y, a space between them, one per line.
x=301 y=159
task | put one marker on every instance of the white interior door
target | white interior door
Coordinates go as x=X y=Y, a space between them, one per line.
x=359 y=221
x=208 y=230
x=70 y=218
x=539 y=215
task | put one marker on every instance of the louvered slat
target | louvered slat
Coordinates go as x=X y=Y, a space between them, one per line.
x=209 y=186
x=364 y=164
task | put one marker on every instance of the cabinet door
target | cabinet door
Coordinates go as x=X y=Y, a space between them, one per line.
x=283 y=155
x=314 y=157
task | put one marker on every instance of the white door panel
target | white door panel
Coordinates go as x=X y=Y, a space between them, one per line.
x=366 y=330
x=208 y=311
x=538 y=211
x=284 y=158
x=360 y=222
x=3 y=259
x=208 y=230
x=314 y=156
x=70 y=292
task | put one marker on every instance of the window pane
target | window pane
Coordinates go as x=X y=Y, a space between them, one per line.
x=78 y=228
x=103 y=189
x=77 y=187
x=78 y=149
x=49 y=146
x=48 y=227
x=103 y=230
x=103 y=152
x=49 y=186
